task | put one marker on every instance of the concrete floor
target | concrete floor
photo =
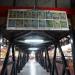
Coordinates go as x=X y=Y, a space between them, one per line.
x=33 y=68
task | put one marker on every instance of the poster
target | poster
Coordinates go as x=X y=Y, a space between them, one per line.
x=34 y=14
x=55 y=15
x=19 y=23
x=62 y=16
x=41 y=15
x=42 y=23
x=27 y=23
x=37 y=18
x=48 y=15
x=56 y=24
x=12 y=14
x=27 y=14
x=11 y=23
x=49 y=23
x=19 y=14
x=63 y=24
x=34 y=23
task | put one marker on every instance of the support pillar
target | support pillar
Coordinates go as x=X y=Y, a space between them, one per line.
x=36 y=55
x=54 y=62
x=0 y=42
x=73 y=47
x=22 y=63
x=20 y=60
x=14 y=69
x=49 y=62
x=27 y=56
x=17 y=65
x=41 y=58
x=0 y=50
x=45 y=60
x=72 y=33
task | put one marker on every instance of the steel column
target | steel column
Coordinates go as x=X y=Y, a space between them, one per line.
x=0 y=50
x=73 y=47
x=39 y=57
x=41 y=54
x=0 y=39
x=27 y=57
x=49 y=62
x=54 y=62
x=14 y=69
x=20 y=61
x=45 y=60
x=17 y=65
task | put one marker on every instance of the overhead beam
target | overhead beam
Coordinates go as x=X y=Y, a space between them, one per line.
x=68 y=10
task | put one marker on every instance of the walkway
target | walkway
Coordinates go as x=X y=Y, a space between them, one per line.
x=33 y=68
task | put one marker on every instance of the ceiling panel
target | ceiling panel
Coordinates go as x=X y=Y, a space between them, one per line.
x=25 y=2
x=63 y=3
x=45 y=3
x=6 y=2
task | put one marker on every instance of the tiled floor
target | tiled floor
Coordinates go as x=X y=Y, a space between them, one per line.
x=33 y=68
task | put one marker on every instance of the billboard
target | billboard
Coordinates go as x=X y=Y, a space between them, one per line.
x=27 y=19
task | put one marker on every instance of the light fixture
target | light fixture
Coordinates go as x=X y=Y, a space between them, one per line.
x=16 y=54
x=32 y=54
x=71 y=40
x=1 y=46
x=34 y=41
x=0 y=41
x=32 y=49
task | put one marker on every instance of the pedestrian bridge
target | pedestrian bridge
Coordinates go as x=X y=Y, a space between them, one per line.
x=33 y=68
